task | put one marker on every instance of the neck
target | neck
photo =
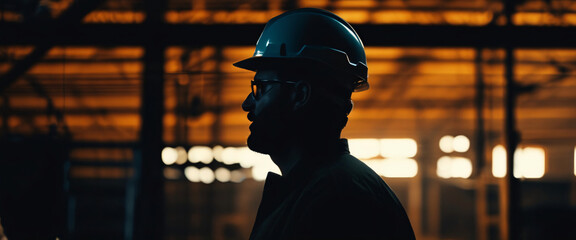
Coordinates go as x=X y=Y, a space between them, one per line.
x=288 y=159
x=300 y=151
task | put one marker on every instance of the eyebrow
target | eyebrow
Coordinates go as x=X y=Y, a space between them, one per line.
x=264 y=78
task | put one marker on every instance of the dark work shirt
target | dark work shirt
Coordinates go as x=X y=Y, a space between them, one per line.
x=334 y=197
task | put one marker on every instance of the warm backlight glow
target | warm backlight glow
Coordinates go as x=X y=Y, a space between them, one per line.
x=388 y=157
x=446 y=144
x=169 y=155
x=182 y=156
x=262 y=167
x=454 y=167
x=394 y=167
x=217 y=153
x=206 y=175
x=202 y=154
x=529 y=162
x=228 y=155
x=367 y=148
x=398 y=148
x=392 y=158
x=499 y=161
x=192 y=174
x=364 y=148
x=449 y=144
x=250 y=158
x=247 y=158
x=461 y=143
x=241 y=155
x=222 y=174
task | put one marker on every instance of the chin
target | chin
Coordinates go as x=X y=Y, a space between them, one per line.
x=257 y=145
x=260 y=145
x=269 y=138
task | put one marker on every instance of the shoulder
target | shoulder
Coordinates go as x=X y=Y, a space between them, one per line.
x=348 y=171
x=347 y=198
x=351 y=180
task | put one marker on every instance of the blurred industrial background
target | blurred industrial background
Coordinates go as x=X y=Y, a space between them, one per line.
x=121 y=119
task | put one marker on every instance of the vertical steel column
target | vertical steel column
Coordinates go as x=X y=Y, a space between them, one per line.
x=512 y=139
x=479 y=103
x=512 y=136
x=480 y=171
x=149 y=222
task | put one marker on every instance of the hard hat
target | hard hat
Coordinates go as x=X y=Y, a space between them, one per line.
x=310 y=34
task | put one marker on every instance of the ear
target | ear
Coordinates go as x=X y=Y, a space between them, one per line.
x=301 y=94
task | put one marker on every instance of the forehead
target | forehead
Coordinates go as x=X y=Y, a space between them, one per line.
x=283 y=74
x=267 y=75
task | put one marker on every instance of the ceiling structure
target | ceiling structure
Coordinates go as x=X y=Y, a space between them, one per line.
x=414 y=73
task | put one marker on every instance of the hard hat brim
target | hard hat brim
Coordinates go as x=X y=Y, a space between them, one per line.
x=258 y=63
x=267 y=63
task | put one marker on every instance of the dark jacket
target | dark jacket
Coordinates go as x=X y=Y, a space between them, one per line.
x=337 y=197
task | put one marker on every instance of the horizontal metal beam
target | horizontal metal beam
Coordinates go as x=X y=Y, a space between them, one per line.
x=100 y=163
x=102 y=144
x=247 y=35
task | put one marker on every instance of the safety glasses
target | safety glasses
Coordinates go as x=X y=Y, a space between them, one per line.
x=259 y=86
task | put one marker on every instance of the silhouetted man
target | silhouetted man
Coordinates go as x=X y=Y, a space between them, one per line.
x=307 y=63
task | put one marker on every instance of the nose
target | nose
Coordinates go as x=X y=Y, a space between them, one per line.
x=248 y=103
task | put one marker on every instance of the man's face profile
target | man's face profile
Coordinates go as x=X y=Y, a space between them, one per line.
x=269 y=110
